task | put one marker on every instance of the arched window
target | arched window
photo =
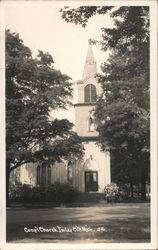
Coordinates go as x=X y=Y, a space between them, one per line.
x=43 y=175
x=90 y=93
x=38 y=175
x=43 y=179
x=69 y=174
x=49 y=175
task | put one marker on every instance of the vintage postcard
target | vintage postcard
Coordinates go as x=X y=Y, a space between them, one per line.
x=78 y=124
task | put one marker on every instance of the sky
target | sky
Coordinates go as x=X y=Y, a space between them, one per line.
x=41 y=27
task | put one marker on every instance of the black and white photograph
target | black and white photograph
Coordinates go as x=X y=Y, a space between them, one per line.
x=80 y=124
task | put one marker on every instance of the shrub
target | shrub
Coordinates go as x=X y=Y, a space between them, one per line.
x=114 y=193
x=58 y=192
x=111 y=192
x=50 y=193
x=124 y=192
x=14 y=191
x=24 y=192
x=65 y=193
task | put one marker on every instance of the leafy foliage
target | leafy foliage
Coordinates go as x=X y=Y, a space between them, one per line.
x=33 y=89
x=115 y=193
x=111 y=191
x=125 y=99
x=123 y=110
x=81 y=14
x=57 y=193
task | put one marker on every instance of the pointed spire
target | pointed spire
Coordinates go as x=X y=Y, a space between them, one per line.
x=90 y=69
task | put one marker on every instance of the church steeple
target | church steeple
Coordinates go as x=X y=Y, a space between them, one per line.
x=90 y=69
x=88 y=88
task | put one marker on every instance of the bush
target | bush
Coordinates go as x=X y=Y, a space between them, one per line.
x=24 y=192
x=65 y=193
x=58 y=192
x=114 y=193
x=14 y=192
x=124 y=192
x=111 y=192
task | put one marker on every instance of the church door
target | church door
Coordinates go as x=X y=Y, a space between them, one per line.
x=91 y=181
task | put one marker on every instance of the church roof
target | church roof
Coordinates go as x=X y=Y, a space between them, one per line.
x=90 y=69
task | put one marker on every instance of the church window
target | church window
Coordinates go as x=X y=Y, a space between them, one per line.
x=43 y=177
x=90 y=93
x=38 y=175
x=69 y=174
x=49 y=175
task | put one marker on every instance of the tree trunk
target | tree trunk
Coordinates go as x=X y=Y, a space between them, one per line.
x=143 y=188
x=7 y=181
x=131 y=187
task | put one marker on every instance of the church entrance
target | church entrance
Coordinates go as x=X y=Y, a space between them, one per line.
x=91 y=181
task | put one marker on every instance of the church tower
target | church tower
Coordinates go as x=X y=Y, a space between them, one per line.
x=92 y=173
x=94 y=170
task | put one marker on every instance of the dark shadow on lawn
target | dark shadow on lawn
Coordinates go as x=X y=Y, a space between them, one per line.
x=134 y=229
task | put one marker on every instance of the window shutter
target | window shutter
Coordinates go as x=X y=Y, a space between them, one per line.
x=87 y=93
x=90 y=93
x=38 y=175
x=93 y=93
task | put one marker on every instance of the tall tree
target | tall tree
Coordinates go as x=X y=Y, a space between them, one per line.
x=122 y=111
x=33 y=89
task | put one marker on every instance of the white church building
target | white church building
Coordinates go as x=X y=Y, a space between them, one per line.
x=92 y=173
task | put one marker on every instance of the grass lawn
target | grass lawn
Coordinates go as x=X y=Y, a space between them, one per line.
x=124 y=222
